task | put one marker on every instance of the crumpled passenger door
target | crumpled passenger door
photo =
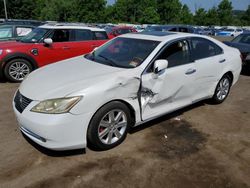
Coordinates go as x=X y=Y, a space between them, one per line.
x=166 y=91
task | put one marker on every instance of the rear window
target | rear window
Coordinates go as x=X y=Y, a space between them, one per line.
x=5 y=32
x=203 y=48
x=123 y=31
x=82 y=35
x=22 y=31
x=100 y=35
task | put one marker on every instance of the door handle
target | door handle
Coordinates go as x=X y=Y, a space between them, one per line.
x=190 y=71
x=94 y=46
x=66 y=48
x=222 y=61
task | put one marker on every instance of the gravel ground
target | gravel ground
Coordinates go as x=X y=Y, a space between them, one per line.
x=200 y=146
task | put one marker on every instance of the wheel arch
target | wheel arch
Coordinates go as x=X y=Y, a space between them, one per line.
x=130 y=107
x=230 y=74
x=27 y=57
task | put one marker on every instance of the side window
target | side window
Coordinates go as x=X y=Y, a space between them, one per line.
x=124 y=31
x=5 y=32
x=202 y=48
x=22 y=31
x=100 y=35
x=183 y=29
x=173 y=29
x=61 y=35
x=176 y=53
x=82 y=35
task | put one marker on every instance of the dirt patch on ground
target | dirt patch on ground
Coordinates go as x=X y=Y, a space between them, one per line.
x=101 y=173
x=173 y=139
x=201 y=146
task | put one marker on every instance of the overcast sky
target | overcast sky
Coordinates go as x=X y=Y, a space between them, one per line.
x=237 y=4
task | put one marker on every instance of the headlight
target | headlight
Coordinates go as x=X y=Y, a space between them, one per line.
x=56 y=106
x=1 y=51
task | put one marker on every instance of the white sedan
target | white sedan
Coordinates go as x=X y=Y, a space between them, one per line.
x=134 y=78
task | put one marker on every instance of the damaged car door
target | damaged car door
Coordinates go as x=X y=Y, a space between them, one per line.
x=168 y=88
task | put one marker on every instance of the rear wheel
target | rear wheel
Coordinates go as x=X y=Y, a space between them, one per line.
x=17 y=69
x=109 y=126
x=222 y=90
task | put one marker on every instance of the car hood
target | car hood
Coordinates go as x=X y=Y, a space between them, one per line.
x=244 y=48
x=66 y=77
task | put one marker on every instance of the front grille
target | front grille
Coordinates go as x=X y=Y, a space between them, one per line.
x=21 y=102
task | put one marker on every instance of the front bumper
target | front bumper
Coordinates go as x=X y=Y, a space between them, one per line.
x=54 y=131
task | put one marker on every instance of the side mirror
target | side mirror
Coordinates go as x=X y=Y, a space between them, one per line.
x=48 y=41
x=160 y=65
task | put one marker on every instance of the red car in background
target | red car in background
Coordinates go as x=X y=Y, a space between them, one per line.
x=47 y=44
x=119 y=30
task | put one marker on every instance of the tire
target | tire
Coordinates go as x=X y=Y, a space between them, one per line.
x=17 y=69
x=222 y=89
x=111 y=132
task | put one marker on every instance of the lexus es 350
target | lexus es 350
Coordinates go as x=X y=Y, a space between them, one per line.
x=134 y=78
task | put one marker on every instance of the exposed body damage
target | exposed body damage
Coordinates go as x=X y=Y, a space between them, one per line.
x=100 y=95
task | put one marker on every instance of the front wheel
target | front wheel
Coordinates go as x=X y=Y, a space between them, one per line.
x=109 y=126
x=17 y=69
x=222 y=89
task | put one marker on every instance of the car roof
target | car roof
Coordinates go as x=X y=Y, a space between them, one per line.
x=15 y=25
x=162 y=36
x=48 y=26
x=122 y=27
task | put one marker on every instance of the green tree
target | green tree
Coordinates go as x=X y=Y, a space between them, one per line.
x=186 y=17
x=225 y=9
x=88 y=11
x=149 y=16
x=246 y=17
x=19 y=9
x=212 y=17
x=169 y=11
x=200 y=16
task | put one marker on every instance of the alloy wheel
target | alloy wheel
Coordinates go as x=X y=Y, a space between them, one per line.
x=18 y=70
x=223 y=89
x=112 y=126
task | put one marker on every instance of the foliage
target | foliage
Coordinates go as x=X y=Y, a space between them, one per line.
x=225 y=9
x=186 y=17
x=126 y=11
x=200 y=16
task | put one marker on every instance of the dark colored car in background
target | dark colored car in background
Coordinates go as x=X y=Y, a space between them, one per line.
x=119 y=30
x=13 y=29
x=242 y=42
x=13 y=32
x=174 y=28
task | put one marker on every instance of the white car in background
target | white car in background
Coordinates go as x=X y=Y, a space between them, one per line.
x=129 y=80
x=230 y=32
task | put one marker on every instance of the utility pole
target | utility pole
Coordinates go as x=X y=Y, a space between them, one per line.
x=5 y=9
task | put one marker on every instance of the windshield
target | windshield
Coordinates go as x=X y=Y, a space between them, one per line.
x=242 y=39
x=35 y=35
x=154 y=28
x=5 y=32
x=123 y=52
